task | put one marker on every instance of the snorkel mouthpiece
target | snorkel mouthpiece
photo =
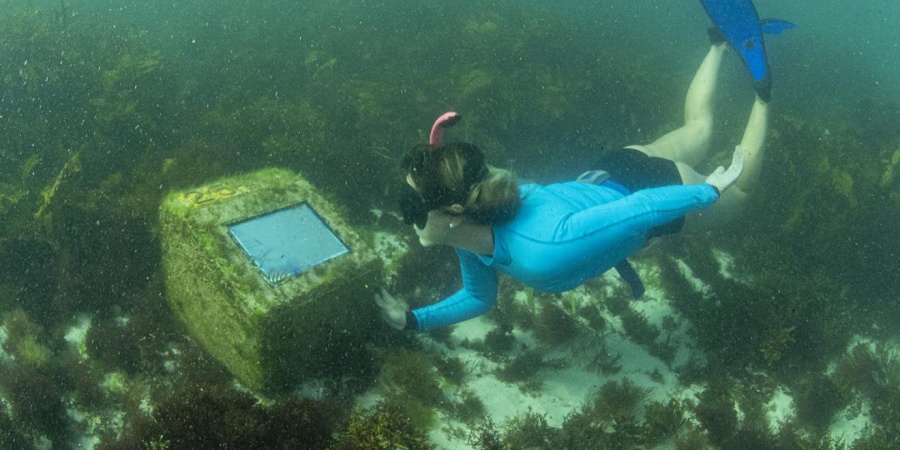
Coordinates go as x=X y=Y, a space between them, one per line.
x=446 y=120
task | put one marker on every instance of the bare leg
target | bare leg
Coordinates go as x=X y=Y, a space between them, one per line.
x=690 y=143
x=727 y=207
x=752 y=143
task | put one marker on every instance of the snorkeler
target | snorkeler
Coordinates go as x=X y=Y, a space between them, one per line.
x=556 y=237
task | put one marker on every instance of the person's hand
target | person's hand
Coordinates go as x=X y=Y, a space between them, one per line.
x=393 y=311
x=723 y=178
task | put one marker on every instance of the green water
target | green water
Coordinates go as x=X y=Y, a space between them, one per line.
x=106 y=106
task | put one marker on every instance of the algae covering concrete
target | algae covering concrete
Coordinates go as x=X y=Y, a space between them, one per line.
x=270 y=336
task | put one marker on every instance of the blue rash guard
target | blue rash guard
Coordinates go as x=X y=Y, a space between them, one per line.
x=563 y=235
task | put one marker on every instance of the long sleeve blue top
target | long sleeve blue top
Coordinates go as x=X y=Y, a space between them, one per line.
x=563 y=235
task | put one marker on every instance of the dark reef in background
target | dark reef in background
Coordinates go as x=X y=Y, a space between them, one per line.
x=100 y=118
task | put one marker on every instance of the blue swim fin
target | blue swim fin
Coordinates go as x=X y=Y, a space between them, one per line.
x=739 y=23
x=775 y=26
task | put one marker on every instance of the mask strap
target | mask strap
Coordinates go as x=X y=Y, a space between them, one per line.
x=446 y=120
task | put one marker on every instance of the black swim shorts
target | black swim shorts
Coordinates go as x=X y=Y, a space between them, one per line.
x=635 y=170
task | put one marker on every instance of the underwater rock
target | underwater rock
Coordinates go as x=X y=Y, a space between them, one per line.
x=271 y=329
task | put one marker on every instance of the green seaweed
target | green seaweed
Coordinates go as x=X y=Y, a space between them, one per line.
x=874 y=373
x=469 y=408
x=24 y=340
x=410 y=384
x=199 y=415
x=101 y=118
x=525 y=367
x=35 y=396
x=716 y=412
x=529 y=430
x=638 y=328
x=382 y=427
x=817 y=400
x=555 y=326
x=486 y=436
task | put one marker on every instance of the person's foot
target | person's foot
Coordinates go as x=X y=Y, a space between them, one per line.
x=764 y=89
x=716 y=36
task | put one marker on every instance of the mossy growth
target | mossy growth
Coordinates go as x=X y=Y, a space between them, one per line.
x=663 y=420
x=24 y=340
x=792 y=435
x=158 y=443
x=112 y=343
x=638 y=328
x=595 y=320
x=611 y=420
x=12 y=437
x=451 y=368
x=499 y=341
x=877 y=439
x=519 y=305
x=529 y=430
x=486 y=436
x=874 y=373
x=581 y=430
x=817 y=399
x=469 y=408
x=604 y=361
x=554 y=326
x=783 y=318
x=216 y=416
x=694 y=439
x=525 y=367
x=35 y=398
x=750 y=427
x=716 y=412
x=666 y=349
x=410 y=384
x=862 y=370
x=339 y=349
x=618 y=401
x=438 y=265
x=382 y=427
x=846 y=188
x=618 y=304
x=271 y=332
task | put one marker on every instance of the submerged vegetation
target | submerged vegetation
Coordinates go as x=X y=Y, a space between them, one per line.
x=101 y=116
x=611 y=420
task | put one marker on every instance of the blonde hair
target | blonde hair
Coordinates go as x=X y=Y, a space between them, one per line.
x=457 y=174
x=494 y=200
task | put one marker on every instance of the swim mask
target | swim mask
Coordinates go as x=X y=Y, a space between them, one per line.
x=413 y=207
